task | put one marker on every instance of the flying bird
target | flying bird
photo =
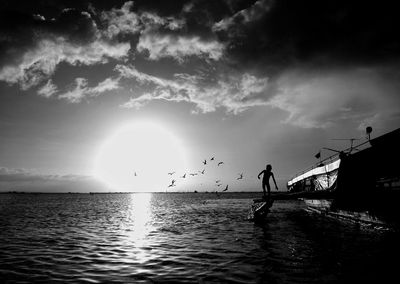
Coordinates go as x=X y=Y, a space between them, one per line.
x=212 y=159
x=240 y=176
x=184 y=176
x=205 y=162
x=220 y=163
x=202 y=172
x=171 y=173
x=219 y=184
x=172 y=183
x=217 y=181
x=193 y=174
x=226 y=188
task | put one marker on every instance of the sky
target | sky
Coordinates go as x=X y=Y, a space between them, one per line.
x=169 y=84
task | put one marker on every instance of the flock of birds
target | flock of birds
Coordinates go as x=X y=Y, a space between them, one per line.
x=202 y=172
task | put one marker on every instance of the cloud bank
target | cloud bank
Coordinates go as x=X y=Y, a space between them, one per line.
x=234 y=93
x=30 y=181
x=361 y=96
x=283 y=54
x=82 y=90
x=179 y=47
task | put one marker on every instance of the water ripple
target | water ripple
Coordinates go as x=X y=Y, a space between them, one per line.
x=185 y=238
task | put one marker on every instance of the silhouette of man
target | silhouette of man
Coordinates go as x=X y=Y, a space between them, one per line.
x=265 y=181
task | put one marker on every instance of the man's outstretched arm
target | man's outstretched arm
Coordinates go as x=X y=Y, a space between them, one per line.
x=273 y=177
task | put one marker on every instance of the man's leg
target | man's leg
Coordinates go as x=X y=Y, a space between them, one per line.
x=269 y=192
x=265 y=193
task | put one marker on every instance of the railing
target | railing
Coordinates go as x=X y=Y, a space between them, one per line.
x=331 y=158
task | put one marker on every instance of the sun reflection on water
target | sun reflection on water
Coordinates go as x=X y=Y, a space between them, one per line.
x=140 y=214
x=141 y=224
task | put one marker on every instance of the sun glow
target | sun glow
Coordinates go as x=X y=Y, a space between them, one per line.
x=138 y=157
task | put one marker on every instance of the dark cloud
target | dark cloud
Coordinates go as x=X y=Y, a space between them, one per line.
x=51 y=8
x=77 y=25
x=15 y=30
x=20 y=32
x=288 y=33
x=280 y=33
x=163 y=8
x=32 y=45
x=269 y=40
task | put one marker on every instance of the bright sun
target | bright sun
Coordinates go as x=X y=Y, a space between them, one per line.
x=138 y=157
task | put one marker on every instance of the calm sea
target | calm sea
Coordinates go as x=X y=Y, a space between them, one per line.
x=183 y=238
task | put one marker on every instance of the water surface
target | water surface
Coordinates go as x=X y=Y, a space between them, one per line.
x=183 y=238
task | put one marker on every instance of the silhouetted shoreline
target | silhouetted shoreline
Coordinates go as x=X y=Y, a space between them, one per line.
x=130 y=192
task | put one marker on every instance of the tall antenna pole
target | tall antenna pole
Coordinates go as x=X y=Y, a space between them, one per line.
x=351 y=142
